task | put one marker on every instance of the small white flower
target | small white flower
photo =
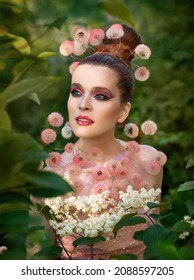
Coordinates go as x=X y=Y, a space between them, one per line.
x=183 y=235
x=66 y=132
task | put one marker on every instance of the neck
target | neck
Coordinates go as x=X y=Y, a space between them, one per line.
x=110 y=147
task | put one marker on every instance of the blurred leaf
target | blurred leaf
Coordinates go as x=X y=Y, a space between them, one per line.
x=27 y=87
x=88 y=240
x=181 y=226
x=187 y=186
x=18 y=231
x=190 y=162
x=57 y=23
x=10 y=207
x=47 y=253
x=34 y=97
x=188 y=252
x=46 y=184
x=128 y=220
x=20 y=44
x=190 y=206
x=118 y=10
x=5 y=121
x=13 y=254
x=45 y=55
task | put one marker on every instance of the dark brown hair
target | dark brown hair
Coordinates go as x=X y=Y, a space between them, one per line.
x=117 y=54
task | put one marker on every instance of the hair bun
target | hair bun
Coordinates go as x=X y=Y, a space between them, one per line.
x=123 y=46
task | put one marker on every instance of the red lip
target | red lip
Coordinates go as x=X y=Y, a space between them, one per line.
x=84 y=120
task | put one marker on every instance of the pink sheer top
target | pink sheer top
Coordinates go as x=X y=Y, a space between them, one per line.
x=139 y=166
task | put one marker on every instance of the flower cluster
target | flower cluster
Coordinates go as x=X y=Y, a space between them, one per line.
x=49 y=135
x=96 y=214
x=184 y=234
x=148 y=127
x=83 y=39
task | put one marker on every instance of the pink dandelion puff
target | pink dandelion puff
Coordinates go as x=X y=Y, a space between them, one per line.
x=161 y=157
x=55 y=119
x=142 y=73
x=73 y=66
x=122 y=172
x=48 y=136
x=115 y=31
x=132 y=148
x=99 y=188
x=79 y=159
x=95 y=154
x=131 y=130
x=72 y=169
x=113 y=166
x=69 y=147
x=149 y=127
x=125 y=162
x=79 y=48
x=54 y=159
x=153 y=167
x=142 y=51
x=66 y=48
x=96 y=36
x=99 y=173
x=80 y=34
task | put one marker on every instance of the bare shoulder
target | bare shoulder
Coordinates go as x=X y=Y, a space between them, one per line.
x=147 y=153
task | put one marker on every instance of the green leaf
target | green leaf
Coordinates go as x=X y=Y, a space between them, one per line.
x=20 y=44
x=128 y=220
x=181 y=226
x=34 y=97
x=152 y=205
x=57 y=22
x=118 y=10
x=27 y=87
x=10 y=207
x=190 y=162
x=188 y=252
x=187 y=186
x=47 y=253
x=88 y=241
x=45 y=55
x=5 y=121
x=18 y=231
x=190 y=206
x=46 y=184
x=153 y=234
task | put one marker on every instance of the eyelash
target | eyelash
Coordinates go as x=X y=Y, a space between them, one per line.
x=97 y=96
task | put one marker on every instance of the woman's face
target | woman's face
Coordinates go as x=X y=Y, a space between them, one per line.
x=94 y=103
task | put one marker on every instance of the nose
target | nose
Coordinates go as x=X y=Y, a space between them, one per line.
x=85 y=104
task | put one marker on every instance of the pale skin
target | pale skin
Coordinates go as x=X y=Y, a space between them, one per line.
x=94 y=93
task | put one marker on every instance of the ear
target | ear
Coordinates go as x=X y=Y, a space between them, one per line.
x=124 y=112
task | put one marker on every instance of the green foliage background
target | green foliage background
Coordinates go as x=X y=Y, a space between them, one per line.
x=35 y=81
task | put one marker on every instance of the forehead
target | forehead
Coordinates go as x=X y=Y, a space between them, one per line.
x=93 y=75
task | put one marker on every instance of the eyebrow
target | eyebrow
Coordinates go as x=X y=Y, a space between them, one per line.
x=94 y=88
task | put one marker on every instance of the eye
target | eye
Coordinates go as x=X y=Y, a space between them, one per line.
x=76 y=93
x=102 y=96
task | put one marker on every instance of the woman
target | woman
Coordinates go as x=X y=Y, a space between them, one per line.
x=98 y=165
